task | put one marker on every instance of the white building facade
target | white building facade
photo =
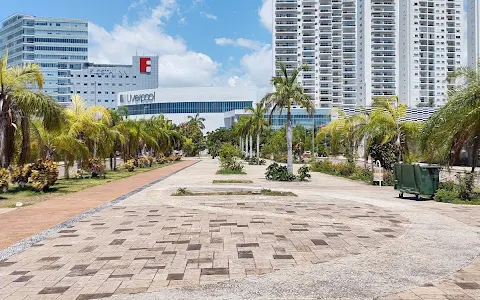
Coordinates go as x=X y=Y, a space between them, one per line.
x=430 y=48
x=58 y=45
x=473 y=32
x=99 y=84
x=321 y=35
x=177 y=104
x=357 y=50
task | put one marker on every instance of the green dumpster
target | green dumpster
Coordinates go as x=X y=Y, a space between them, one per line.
x=419 y=180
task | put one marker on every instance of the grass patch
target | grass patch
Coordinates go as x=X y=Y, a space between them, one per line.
x=65 y=186
x=452 y=196
x=232 y=181
x=263 y=192
x=230 y=172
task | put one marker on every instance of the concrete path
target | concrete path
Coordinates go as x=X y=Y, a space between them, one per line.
x=338 y=239
x=19 y=224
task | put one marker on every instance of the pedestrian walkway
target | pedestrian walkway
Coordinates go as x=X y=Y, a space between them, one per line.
x=339 y=239
x=22 y=223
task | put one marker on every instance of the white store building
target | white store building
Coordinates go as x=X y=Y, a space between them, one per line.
x=177 y=104
x=99 y=84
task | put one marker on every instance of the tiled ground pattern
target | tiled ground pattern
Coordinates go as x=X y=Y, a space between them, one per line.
x=464 y=285
x=147 y=248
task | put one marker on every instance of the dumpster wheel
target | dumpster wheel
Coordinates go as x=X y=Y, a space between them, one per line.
x=417 y=197
x=400 y=195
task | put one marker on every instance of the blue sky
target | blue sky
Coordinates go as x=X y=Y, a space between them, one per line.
x=200 y=42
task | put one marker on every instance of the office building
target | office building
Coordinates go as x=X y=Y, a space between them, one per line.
x=58 y=45
x=473 y=32
x=99 y=84
x=357 y=50
x=177 y=104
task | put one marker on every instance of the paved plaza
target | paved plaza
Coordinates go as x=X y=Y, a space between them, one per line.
x=338 y=239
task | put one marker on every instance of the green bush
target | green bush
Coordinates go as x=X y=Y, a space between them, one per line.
x=255 y=161
x=4 y=179
x=277 y=172
x=448 y=185
x=20 y=175
x=144 y=162
x=80 y=174
x=129 y=165
x=44 y=174
x=347 y=170
x=229 y=158
x=161 y=159
x=95 y=167
x=388 y=179
x=466 y=185
x=447 y=196
x=303 y=173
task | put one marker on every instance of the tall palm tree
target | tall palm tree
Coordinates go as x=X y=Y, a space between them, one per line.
x=287 y=92
x=387 y=124
x=258 y=121
x=19 y=106
x=457 y=124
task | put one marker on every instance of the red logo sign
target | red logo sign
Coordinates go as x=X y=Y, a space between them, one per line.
x=145 y=65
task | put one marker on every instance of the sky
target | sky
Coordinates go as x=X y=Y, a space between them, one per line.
x=199 y=42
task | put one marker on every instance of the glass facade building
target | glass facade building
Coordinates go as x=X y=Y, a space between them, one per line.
x=57 y=45
x=186 y=107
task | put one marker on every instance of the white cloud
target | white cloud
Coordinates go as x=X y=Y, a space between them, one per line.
x=224 y=41
x=265 y=13
x=240 y=42
x=208 y=16
x=187 y=69
x=258 y=66
x=178 y=66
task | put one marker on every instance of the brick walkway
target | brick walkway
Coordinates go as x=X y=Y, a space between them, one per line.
x=22 y=223
x=309 y=245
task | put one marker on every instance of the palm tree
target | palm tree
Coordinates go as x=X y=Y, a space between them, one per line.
x=288 y=92
x=19 y=106
x=346 y=133
x=197 y=121
x=457 y=124
x=242 y=127
x=387 y=124
x=258 y=121
x=93 y=125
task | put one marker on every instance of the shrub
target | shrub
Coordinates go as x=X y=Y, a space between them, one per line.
x=345 y=169
x=466 y=184
x=278 y=173
x=447 y=185
x=324 y=166
x=255 y=161
x=447 y=196
x=80 y=174
x=95 y=167
x=281 y=158
x=44 y=174
x=303 y=173
x=385 y=153
x=363 y=174
x=388 y=179
x=161 y=159
x=129 y=165
x=20 y=175
x=143 y=162
x=4 y=179
x=229 y=158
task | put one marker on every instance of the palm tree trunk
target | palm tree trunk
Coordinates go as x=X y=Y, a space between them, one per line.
x=251 y=146
x=25 y=147
x=258 y=147
x=246 y=145
x=289 y=142
x=67 y=166
x=114 y=160
x=476 y=145
x=6 y=140
x=241 y=144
